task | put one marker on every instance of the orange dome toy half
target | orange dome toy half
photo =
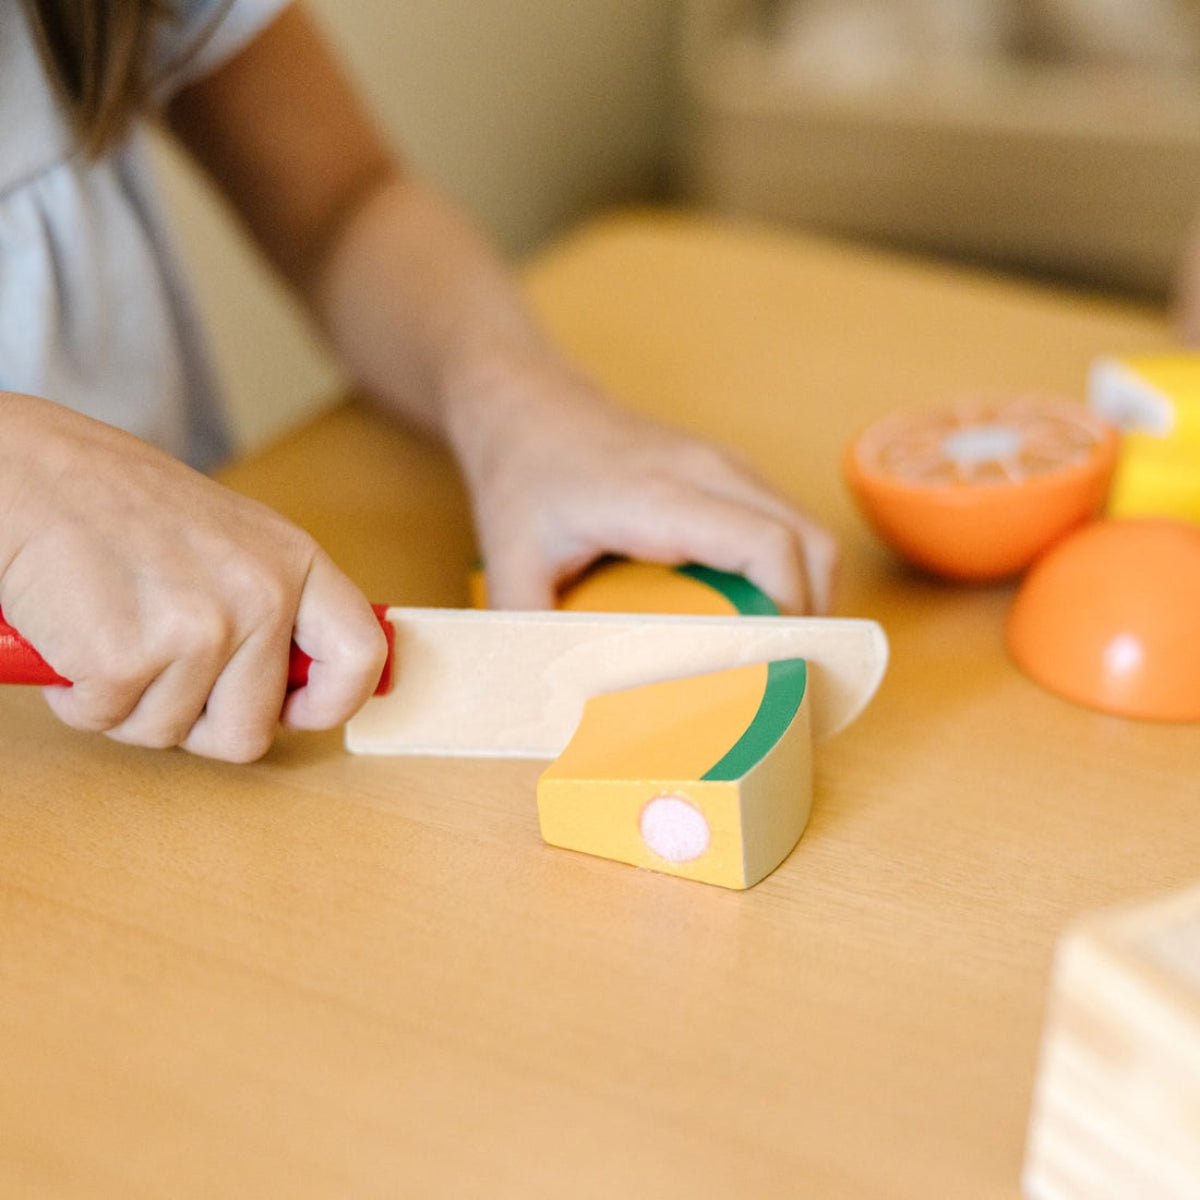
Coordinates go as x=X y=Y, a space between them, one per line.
x=1110 y=618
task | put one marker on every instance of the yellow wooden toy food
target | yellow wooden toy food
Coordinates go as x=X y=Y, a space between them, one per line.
x=1155 y=400
x=707 y=777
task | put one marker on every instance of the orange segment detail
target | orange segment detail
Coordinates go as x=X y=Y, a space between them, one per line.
x=976 y=491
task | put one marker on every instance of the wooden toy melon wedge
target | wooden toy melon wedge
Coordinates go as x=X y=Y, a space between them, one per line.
x=707 y=777
x=679 y=705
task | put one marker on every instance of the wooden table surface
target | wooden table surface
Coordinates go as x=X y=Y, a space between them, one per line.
x=330 y=976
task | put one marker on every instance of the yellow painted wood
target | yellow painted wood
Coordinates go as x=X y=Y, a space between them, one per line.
x=675 y=730
x=645 y=588
x=644 y=756
x=602 y=817
x=632 y=587
x=635 y=748
x=333 y=975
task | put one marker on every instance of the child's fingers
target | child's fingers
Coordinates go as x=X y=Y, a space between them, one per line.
x=737 y=538
x=521 y=585
x=241 y=714
x=821 y=562
x=170 y=706
x=726 y=477
x=95 y=705
x=819 y=551
x=522 y=576
x=145 y=690
x=336 y=627
x=676 y=524
x=217 y=688
x=789 y=557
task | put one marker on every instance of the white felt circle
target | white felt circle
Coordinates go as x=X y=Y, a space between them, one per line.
x=674 y=829
x=982 y=443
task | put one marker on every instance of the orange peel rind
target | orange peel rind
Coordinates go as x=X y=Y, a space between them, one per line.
x=977 y=490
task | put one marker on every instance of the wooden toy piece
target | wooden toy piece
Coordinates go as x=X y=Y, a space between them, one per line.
x=709 y=777
x=976 y=490
x=1116 y=1112
x=1155 y=400
x=627 y=586
x=1107 y=618
x=471 y=682
x=621 y=585
x=514 y=683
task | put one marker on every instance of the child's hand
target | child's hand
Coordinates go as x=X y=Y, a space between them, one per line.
x=427 y=319
x=168 y=600
x=559 y=477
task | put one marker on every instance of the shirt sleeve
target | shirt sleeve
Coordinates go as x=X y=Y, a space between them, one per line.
x=200 y=36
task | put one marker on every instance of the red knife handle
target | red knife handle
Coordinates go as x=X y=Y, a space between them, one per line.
x=21 y=663
x=299 y=662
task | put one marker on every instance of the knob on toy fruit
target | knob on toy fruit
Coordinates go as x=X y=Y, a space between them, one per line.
x=977 y=490
x=1110 y=618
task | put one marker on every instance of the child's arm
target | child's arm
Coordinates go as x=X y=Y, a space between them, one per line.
x=168 y=600
x=429 y=321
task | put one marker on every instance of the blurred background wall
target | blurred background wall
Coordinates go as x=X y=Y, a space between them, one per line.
x=1059 y=138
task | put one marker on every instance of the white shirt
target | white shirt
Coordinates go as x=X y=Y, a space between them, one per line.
x=94 y=313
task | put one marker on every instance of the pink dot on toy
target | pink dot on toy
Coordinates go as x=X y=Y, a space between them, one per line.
x=674 y=829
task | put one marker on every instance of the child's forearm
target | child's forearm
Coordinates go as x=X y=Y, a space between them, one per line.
x=428 y=320
x=416 y=302
x=424 y=313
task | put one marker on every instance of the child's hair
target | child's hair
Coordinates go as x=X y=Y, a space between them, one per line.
x=95 y=51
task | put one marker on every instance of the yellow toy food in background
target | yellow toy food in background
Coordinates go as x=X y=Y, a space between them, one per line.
x=1154 y=400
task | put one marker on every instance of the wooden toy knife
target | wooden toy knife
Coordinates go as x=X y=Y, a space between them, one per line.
x=513 y=684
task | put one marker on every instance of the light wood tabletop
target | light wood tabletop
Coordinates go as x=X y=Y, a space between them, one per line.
x=325 y=975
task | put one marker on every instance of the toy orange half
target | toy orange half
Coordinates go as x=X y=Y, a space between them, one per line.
x=1110 y=618
x=976 y=491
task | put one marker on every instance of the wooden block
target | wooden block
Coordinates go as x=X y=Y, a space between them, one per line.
x=708 y=777
x=1116 y=1113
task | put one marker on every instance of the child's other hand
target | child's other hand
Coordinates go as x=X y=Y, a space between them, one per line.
x=426 y=318
x=560 y=477
x=170 y=601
